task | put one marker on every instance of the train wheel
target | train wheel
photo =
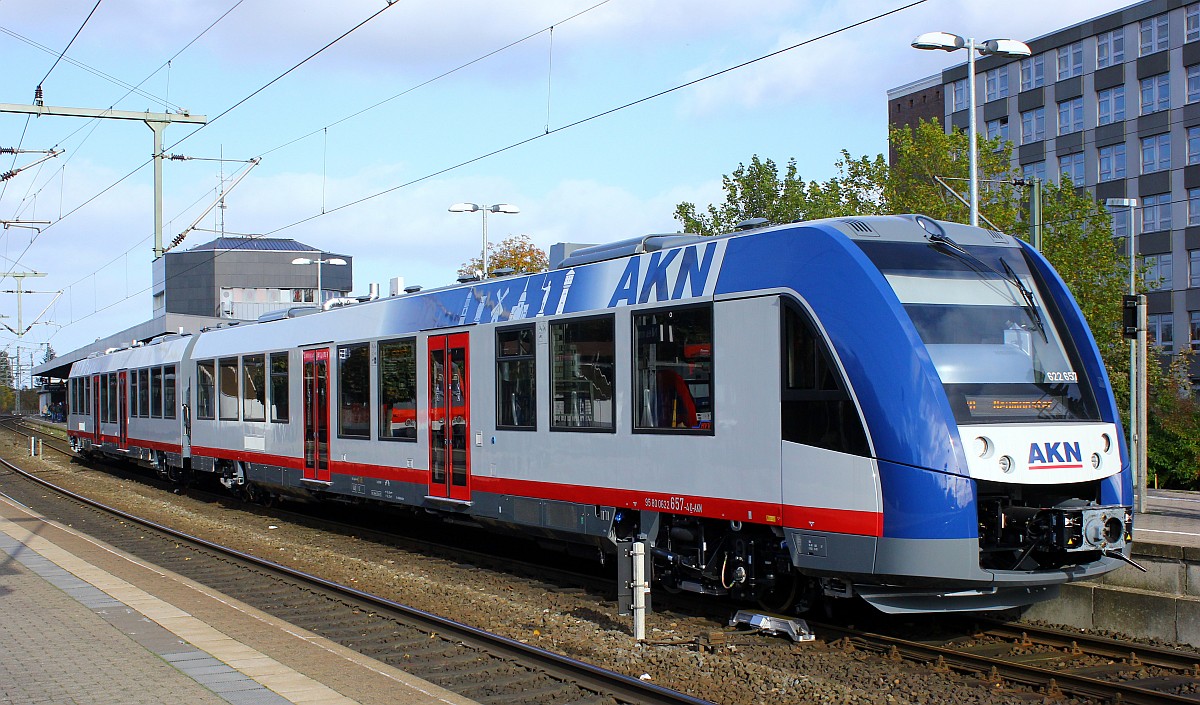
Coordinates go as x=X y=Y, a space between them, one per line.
x=786 y=594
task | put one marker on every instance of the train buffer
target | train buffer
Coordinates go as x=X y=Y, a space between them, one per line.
x=797 y=629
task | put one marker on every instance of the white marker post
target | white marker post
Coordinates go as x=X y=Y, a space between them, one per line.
x=640 y=590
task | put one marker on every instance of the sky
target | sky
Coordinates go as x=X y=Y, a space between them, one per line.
x=594 y=117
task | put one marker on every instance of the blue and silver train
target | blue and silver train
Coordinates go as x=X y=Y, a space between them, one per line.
x=896 y=408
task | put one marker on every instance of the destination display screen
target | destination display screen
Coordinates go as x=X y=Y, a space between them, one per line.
x=993 y=406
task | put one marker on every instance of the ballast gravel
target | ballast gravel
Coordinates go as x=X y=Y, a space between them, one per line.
x=680 y=652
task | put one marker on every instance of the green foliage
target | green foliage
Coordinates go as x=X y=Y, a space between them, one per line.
x=6 y=370
x=1173 y=426
x=758 y=191
x=928 y=152
x=1077 y=240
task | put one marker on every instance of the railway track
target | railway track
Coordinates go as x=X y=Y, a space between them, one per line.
x=476 y=664
x=1051 y=662
x=362 y=522
x=1022 y=660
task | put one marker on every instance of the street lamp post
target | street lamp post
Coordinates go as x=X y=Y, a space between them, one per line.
x=337 y=261
x=1137 y=372
x=992 y=47
x=473 y=208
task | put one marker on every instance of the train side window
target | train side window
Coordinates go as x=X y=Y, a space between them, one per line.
x=206 y=388
x=134 y=394
x=398 y=390
x=113 y=396
x=582 y=375
x=672 y=367
x=227 y=399
x=102 y=397
x=168 y=391
x=516 y=379
x=279 y=387
x=254 y=392
x=156 y=396
x=143 y=392
x=354 y=391
x=816 y=407
x=87 y=394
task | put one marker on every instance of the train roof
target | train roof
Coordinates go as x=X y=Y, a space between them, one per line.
x=593 y=269
x=160 y=351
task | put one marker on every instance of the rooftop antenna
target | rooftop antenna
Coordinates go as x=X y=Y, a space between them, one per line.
x=221 y=202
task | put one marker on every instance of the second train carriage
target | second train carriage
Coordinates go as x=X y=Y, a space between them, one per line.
x=907 y=410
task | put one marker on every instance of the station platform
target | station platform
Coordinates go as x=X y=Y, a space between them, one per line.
x=84 y=623
x=1170 y=517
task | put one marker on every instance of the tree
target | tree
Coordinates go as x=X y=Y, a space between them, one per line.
x=6 y=370
x=756 y=191
x=1077 y=240
x=515 y=251
x=7 y=394
x=928 y=152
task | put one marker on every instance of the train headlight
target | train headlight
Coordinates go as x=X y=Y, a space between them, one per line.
x=984 y=447
x=1105 y=442
x=1006 y=464
x=1095 y=461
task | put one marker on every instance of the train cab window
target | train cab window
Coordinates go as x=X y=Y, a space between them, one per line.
x=254 y=391
x=206 y=389
x=816 y=407
x=227 y=399
x=279 y=387
x=582 y=375
x=516 y=379
x=672 y=369
x=398 y=390
x=156 y=396
x=168 y=391
x=354 y=391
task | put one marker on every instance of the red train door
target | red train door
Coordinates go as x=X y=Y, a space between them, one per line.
x=449 y=417
x=96 y=409
x=316 y=415
x=123 y=407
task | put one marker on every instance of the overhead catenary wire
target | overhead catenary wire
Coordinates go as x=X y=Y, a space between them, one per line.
x=38 y=92
x=357 y=113
x=88 y=68
x=602 y=114
x=210 y=122
x=577 y=123
x=95 y=122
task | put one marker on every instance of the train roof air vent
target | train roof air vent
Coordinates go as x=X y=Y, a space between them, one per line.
x=861 y=226
x=752 y=223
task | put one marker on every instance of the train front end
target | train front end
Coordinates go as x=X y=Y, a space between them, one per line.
x=1002 y=472
x=1036 y=425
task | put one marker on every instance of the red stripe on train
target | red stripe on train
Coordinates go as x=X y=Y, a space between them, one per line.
x=841 y=521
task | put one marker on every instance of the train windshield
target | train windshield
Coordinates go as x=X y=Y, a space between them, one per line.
x=993 y=337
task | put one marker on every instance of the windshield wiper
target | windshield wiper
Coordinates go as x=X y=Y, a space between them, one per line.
x=1030 y=306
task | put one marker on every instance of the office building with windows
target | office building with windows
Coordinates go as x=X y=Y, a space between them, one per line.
x=1113 y=103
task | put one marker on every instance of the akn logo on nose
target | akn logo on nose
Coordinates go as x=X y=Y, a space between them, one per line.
x=1050 y=456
